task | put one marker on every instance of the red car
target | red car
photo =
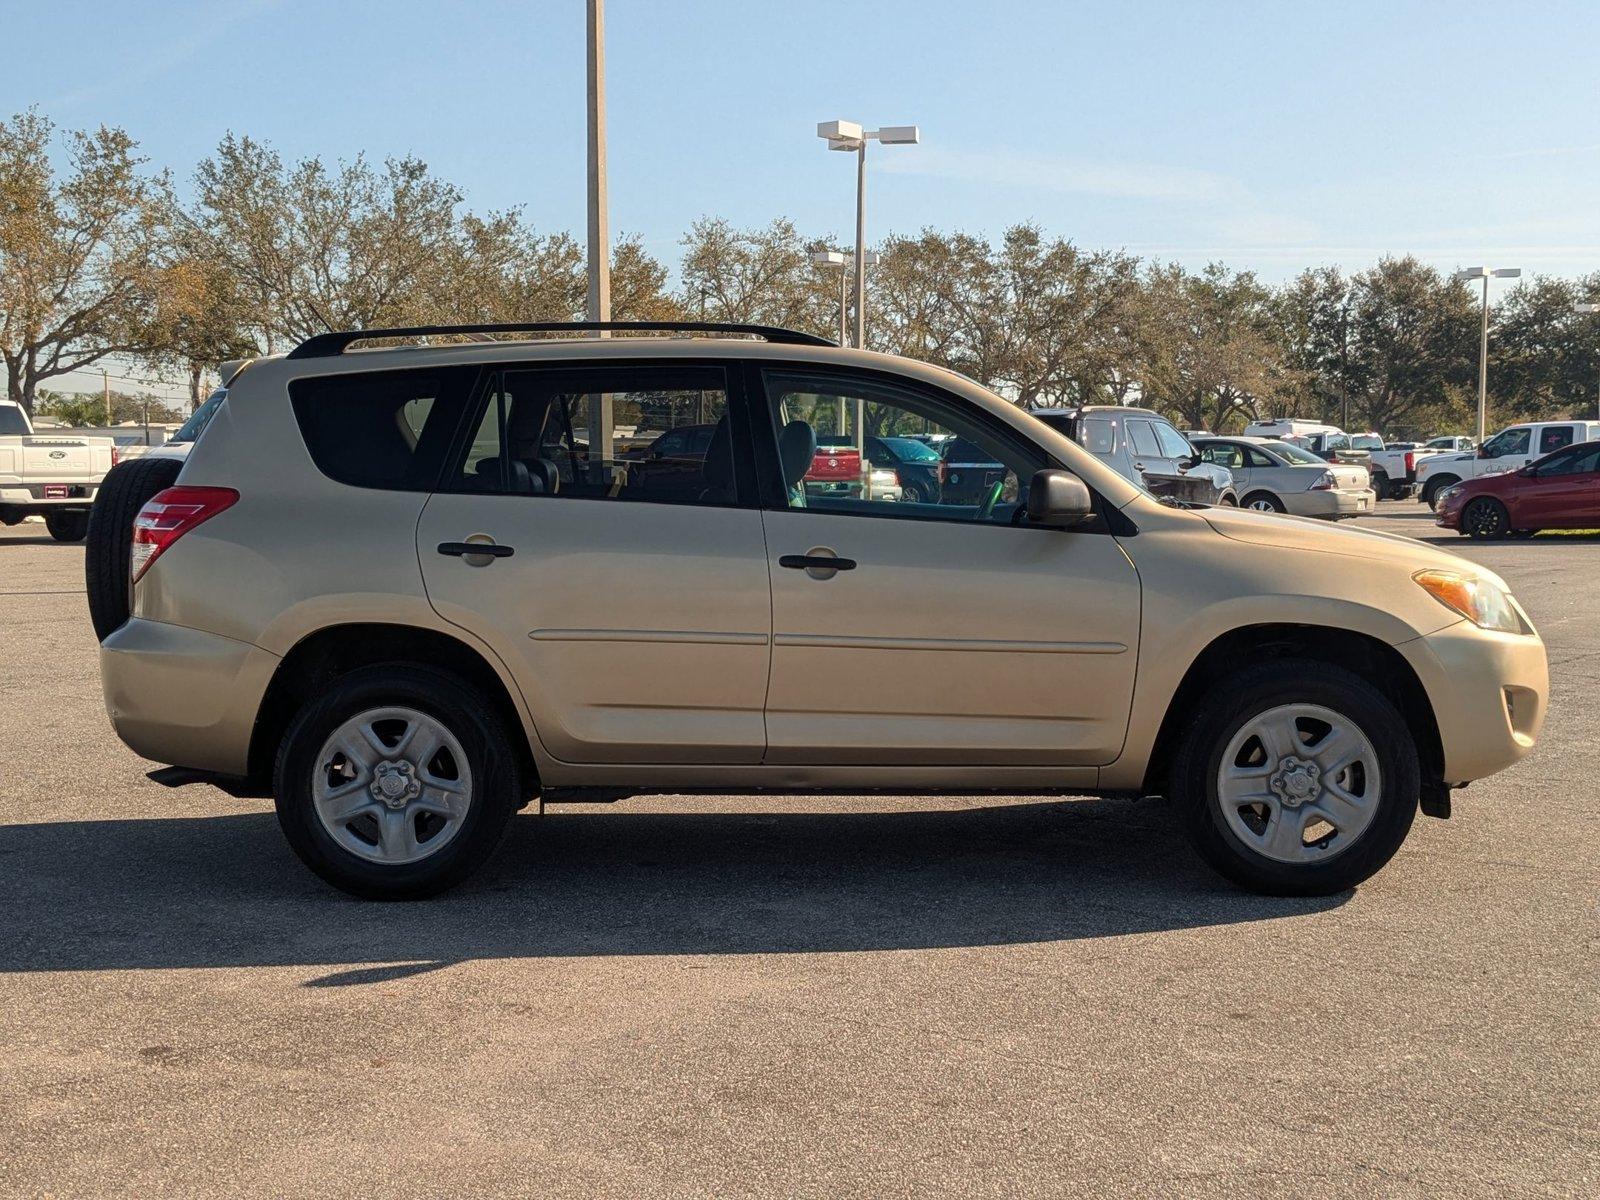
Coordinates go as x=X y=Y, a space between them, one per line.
x=1559 y=491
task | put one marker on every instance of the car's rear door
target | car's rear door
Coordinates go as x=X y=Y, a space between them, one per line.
x=633 y=609
x=936 y=633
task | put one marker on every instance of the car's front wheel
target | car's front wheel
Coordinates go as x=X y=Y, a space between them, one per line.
x=1297 y=778
x=395 y=783
x=1485 y=518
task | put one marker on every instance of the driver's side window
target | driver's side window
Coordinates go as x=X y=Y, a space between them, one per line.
x=956 y=468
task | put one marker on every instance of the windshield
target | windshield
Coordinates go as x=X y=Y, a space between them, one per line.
x=908 y=450
x=200 y=418
x=1294 y=454
x=1367 y=441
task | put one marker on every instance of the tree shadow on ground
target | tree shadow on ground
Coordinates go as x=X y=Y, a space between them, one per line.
x=226 y=892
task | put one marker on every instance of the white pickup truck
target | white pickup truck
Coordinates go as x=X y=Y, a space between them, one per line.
x=55 y=477
x=1509 y=450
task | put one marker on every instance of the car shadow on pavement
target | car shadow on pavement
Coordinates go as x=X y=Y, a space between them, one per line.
x=225 y=891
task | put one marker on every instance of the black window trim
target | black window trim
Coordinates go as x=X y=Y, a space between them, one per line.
x=744 y=473
x=1109 y=519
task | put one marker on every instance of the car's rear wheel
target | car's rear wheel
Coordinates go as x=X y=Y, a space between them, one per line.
x=123 y=492
x=1381 y=487
x=67 y=526
x=395 y=783
x=1264 y=502
x=912 y=493
x=1485 y=518
x=1296 y=779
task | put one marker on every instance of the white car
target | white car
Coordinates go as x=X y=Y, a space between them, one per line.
x=1275 y=476
x=52 y=476
x=1509 y=450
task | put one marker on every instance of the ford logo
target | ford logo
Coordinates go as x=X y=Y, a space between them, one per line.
x=58 y=454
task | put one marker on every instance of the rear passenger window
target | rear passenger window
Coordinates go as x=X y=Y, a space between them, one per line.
x=1098 y=436
x=658 y=435
x=387 y=430
x=1555 y=437
x=1143 y=439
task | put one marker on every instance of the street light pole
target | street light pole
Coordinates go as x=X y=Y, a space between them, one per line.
x=848 y=135
x=844 y=262
x=1484 y=273
x=599 y=308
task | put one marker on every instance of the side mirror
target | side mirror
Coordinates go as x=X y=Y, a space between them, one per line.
x=1058 y=498
x=1194 y=460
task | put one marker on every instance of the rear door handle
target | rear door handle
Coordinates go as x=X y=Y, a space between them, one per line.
x=462 y=549
x=816 y=562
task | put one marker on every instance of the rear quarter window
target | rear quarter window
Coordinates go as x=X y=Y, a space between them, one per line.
x=388 y=430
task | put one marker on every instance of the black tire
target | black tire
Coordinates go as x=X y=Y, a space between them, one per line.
x=1430 y=493
x=69 y=526
x=1381 y=487
x=1485 y=518
x=1243 y=696
x=913 y=493
x=1267 y=498
x=122 y=494
x=468 y=716
x=11 y=516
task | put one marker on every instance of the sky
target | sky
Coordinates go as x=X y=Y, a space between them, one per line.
x=1270 y=136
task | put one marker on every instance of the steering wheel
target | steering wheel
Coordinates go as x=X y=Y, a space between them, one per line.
x=986 y=505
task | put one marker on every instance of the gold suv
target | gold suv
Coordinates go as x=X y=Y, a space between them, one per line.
x=410 y=589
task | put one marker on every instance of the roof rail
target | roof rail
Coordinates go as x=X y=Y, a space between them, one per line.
x=327 y=345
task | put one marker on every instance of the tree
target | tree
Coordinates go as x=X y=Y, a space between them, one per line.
x=1415 y=343
x=1544 y=357
x=314 y=247
x=201 y=317
x=79 y=255
x=755 y=276
x=1208 y=348
x=1315 y=329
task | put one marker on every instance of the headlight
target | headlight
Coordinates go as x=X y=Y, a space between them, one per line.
x=1485 y=604
x=1447 y=493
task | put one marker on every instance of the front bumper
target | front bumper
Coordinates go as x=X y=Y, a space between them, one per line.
x=1488 y=691
x=183 y=696
x=1333 y=504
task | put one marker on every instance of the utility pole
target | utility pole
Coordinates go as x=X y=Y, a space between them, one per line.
x=600 y=424
x=1485 y=274
x=105 y=392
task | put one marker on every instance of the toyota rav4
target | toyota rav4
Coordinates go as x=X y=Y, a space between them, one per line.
x=409 y=590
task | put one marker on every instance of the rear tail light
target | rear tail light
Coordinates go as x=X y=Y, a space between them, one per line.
x=1411 y=461
x=116 y=455
x=944 y=474
x=1326 y=482
x=170 y=514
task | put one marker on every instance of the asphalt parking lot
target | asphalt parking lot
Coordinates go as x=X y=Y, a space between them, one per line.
x=818 y=997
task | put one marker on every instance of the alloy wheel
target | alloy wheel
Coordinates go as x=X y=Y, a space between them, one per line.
x=392 y=785
x=1299 y=783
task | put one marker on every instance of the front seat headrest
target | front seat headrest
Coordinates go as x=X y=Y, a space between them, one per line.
x=797 y=446
x=717 y=469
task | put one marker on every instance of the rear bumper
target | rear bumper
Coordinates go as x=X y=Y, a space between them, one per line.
x=1333 y=504
x=34 y=496
x=1488 y=691
x=182 y=696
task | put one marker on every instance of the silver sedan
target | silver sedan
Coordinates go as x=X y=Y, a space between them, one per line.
x=1274 y=476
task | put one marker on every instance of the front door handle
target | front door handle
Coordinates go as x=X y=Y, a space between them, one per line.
x=816 y=562
x=464 y=549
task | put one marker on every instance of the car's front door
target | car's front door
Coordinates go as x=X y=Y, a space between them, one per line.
x=935 y=633
x=1150 y=462
x=1562 y=492
x=633 y=609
